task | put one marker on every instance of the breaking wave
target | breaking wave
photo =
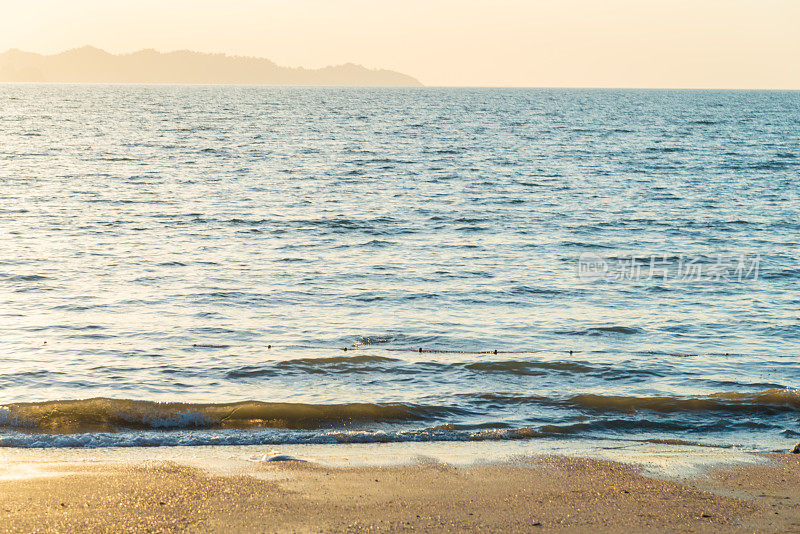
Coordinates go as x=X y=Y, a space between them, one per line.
x=480 y=415
x=105 y=415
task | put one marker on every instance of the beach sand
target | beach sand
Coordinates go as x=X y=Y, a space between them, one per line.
x=533 y=494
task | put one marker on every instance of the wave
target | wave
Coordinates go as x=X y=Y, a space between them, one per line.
x=768 y=402
x=771 y=401
x=115 y=415
x=243 y=437
x=337 y=364
x=261 y=437
x=381 y=364
x=336 y=360
x=23 y=277
x=110 y=415
x=604 y=429
x=529 y=368
x=601 y=330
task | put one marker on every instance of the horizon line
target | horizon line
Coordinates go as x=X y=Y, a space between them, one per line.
x=416 y=88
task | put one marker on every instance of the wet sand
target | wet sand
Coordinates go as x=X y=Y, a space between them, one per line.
x=536 y=494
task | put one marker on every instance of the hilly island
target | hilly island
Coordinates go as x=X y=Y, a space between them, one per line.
x=92 y=65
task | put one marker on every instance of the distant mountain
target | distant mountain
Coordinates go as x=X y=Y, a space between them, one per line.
x=89 y=64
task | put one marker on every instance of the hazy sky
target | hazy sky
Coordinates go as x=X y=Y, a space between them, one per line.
x=595 y=43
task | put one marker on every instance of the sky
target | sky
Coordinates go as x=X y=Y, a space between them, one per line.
x=525 y=43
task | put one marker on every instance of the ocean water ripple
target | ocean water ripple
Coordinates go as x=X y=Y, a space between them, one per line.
x=189 y=265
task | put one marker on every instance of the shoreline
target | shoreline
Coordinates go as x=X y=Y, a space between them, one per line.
x=378 y=487
x=659 y=459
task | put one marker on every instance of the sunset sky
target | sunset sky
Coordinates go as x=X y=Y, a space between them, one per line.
x=575 y=43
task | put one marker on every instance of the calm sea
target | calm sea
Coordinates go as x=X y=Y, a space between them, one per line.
x=187 y=265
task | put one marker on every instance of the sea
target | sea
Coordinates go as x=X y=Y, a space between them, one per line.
x=251 y=265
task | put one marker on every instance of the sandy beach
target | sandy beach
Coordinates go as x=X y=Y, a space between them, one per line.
x=81 y=492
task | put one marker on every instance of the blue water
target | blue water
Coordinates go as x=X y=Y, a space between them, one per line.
x=196 y=258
